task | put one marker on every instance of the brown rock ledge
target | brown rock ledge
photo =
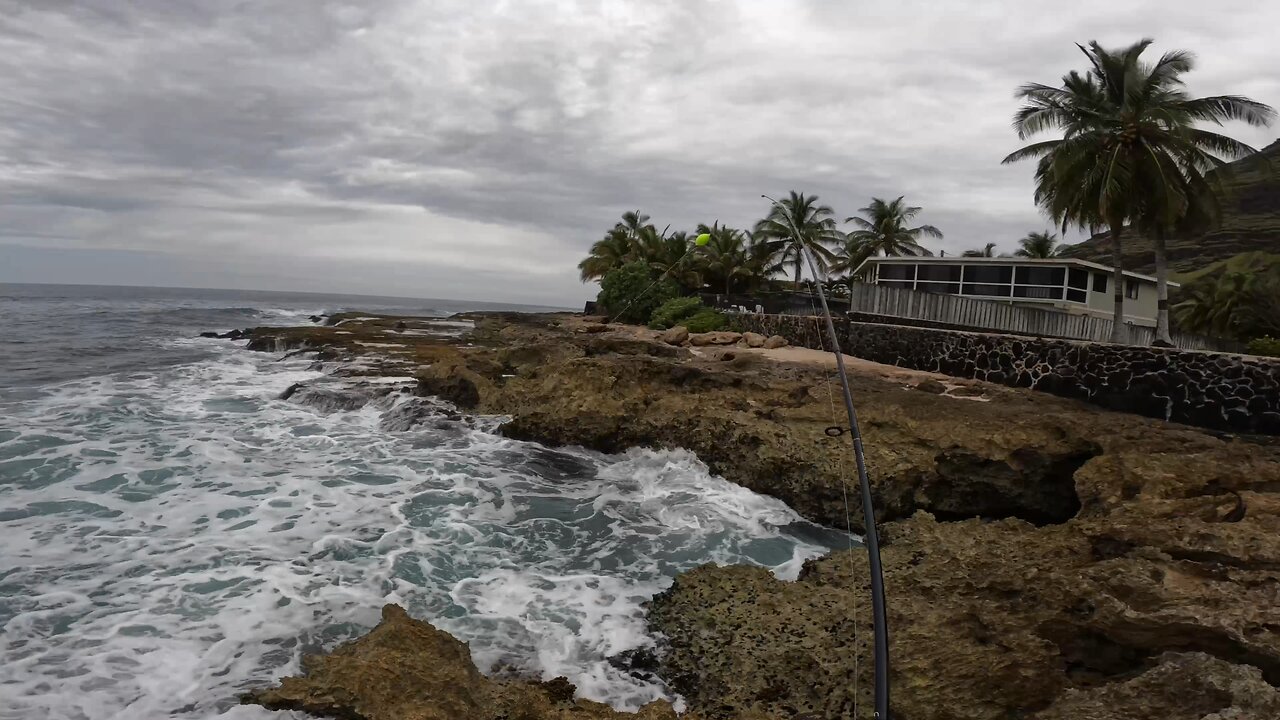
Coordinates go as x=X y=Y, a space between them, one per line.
x=1044 y=558
x=405 y=669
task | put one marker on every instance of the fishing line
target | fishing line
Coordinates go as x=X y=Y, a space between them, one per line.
x=880 y=626
x=836 y=431
x=699 y=241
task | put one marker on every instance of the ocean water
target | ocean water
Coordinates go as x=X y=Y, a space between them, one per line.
x=172 y=533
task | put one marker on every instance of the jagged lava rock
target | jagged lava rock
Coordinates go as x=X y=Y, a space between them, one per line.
x=1181 y=686
x=988 y=620
x=402 y=670
x=1067 y=550
x=405 y=669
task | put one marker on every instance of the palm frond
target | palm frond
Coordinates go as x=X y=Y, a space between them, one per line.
x=1221 y=108
x=1033 y=150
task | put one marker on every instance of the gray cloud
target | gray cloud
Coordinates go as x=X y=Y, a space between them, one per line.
x=475 y=149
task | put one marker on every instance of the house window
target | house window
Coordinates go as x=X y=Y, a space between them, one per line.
x=1039 y=293
x=938 y=287
x=1131 y=289
x=1040 y=276
x=1001 y=290
x=988 y=274
x=1099 y=282
x=1077 y=285
x=941 y=273
x=897 y=272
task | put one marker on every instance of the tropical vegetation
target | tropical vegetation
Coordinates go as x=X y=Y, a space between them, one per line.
x=675 y=310
x=988 y=250
x=1038 y=245
x=882 y=229
x=689 y=312
x=1130 y=156
x=733 y=260
x=706 y=320
x=1242 y=305
x=631 y=293
x=1131 y=153
x=1265 y=345
x=798 y=221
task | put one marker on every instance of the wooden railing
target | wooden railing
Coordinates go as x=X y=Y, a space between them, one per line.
x=976 y=314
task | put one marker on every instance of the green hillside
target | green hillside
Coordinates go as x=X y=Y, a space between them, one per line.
x=1250 y=224
x=1256 y=262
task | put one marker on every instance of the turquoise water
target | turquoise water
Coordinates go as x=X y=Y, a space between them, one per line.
x=174 y=533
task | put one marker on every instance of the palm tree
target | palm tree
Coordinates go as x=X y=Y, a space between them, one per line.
x=1038 y=245
x=1211 y=306
x=987 y=251
x=1260 y=317
x=620 y=246
x=613 y=251
x=883 y=230
x=764 y=258
x=725 y=258
x=814 y=225
x=850 y=258
x=1130 y=151
x=670 y=255
x=634 y=221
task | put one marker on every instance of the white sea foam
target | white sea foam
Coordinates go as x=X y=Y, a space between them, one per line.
x=173 y=539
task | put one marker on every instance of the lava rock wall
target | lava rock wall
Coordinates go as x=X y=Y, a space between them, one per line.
x=1237 y=393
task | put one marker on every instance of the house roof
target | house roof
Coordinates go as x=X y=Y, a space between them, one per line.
x=961 y=260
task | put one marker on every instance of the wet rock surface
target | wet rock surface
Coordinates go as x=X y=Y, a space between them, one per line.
x=987 y=619
x=1044 y=558
x=405 y=669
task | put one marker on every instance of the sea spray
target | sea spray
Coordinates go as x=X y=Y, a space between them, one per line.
x=177 y=534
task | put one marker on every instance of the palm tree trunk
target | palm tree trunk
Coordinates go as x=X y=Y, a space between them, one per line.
x=799 y=259
x=1163 y=338
x=1119 y=331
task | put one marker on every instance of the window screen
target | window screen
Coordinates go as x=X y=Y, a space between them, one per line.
x=938 y=287
x=1131 y=289
x=988 y=274
x=1099 y=282
x=897 y=272
x=1040 y=293
x=1078 y=279
x=1040 y=276
x=949 y=273
x=1077 y=296
x=999 y=290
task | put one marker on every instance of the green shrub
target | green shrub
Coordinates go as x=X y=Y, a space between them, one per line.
x=629 y=293
x=706 y=320
x=1265 y=345
x=674 y=311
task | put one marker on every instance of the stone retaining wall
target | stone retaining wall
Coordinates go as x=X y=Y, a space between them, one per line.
x=1213 y=390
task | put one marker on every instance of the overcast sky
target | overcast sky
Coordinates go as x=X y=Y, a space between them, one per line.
x=475 y=149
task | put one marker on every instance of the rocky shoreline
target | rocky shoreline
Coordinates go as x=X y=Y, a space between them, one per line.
x=1043 y=558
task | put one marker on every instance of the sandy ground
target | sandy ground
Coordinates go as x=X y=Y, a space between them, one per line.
x=818 y=358
x=822 y=358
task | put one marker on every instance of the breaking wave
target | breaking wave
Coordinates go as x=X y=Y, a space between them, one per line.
x=175 y=536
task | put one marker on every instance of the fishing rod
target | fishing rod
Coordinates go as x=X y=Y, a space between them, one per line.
x=880 y=624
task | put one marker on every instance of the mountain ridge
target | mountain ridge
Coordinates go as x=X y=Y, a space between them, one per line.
x=1250 y=224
